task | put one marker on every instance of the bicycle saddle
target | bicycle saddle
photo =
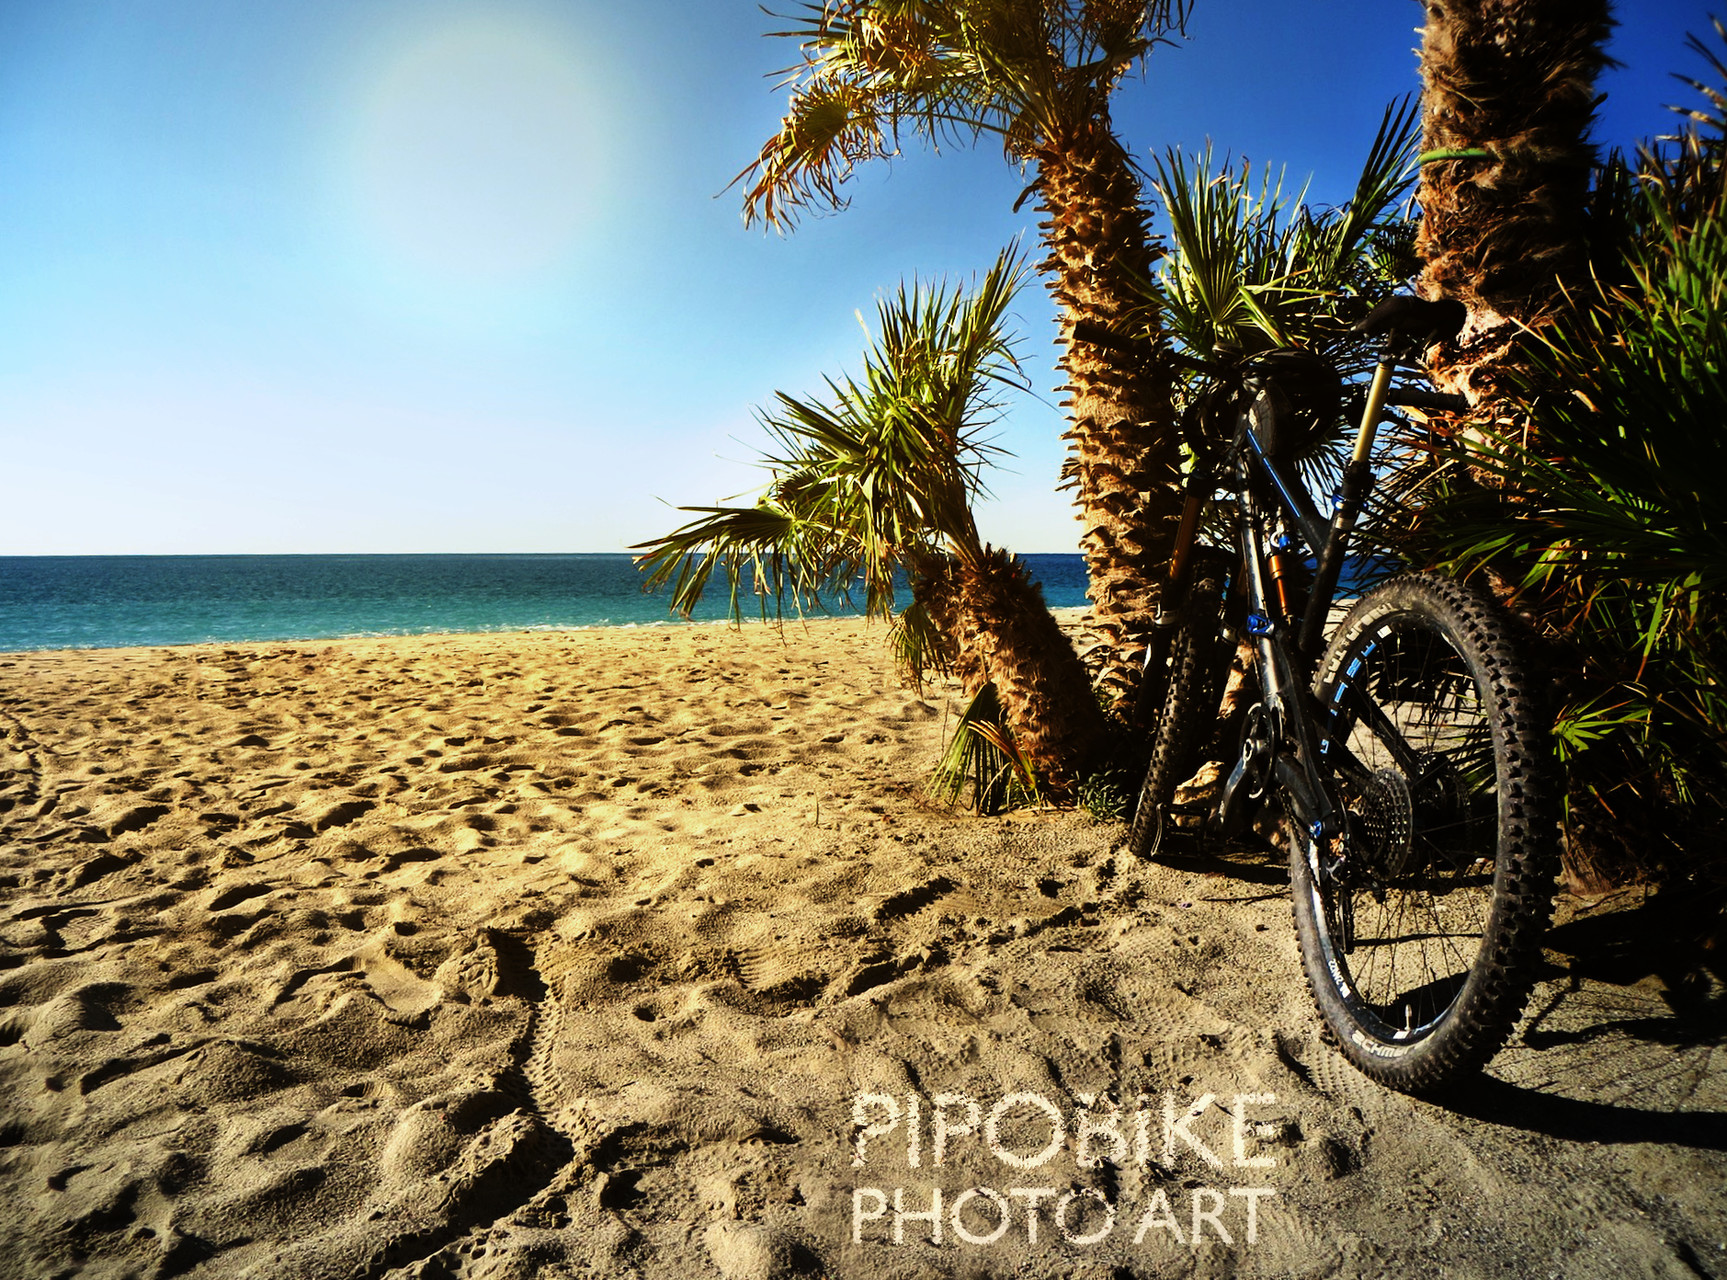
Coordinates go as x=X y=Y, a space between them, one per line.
x=1416 y=319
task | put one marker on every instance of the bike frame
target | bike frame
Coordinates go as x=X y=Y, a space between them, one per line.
x=1286 y=641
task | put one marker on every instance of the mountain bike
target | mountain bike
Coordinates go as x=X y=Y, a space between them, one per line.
x=1401 y=743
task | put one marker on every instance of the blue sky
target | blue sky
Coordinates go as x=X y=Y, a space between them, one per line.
x=272 y=281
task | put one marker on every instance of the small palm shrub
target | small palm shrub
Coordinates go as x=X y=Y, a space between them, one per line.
x=1253 y=267
x=870 y=490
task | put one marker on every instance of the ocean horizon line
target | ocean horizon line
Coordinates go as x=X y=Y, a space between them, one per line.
x=262 y=555
x=149 y=600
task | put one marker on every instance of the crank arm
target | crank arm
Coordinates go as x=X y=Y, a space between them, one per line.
x=1230 y=814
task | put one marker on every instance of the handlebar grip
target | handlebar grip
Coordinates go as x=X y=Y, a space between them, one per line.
x=1415 y=398
x=1406 y=318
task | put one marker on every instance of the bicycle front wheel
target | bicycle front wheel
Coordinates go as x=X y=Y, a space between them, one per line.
x=1420 y=924
x=1187 y=718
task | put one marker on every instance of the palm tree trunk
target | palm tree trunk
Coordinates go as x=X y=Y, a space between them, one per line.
x=1123 y=452
x=1511 y=85
x=1004 y=634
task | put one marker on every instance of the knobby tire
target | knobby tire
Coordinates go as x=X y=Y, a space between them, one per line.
x=1422 y=941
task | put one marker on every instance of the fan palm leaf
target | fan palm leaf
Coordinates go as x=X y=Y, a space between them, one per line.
x=1251 y=266
x=884 y=467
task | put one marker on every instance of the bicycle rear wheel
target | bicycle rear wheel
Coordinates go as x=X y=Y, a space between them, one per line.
x=1198 y=667
x=1420 y=925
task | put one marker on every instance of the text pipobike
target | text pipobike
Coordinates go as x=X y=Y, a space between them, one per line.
x=1024 y=1134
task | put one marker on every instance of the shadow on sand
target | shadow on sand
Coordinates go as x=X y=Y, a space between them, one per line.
x=1627 y=1036
x=1625 y=1040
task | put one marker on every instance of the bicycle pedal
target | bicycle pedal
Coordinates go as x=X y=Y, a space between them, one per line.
x=1178 y=840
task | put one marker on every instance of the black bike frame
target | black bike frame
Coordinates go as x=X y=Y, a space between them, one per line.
x=1285 y=663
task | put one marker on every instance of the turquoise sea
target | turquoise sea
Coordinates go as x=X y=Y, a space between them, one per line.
x=78 y=602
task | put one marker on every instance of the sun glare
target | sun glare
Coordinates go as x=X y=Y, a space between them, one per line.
x=474 y=154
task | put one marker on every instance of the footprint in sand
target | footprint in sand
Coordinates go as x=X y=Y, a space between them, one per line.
x=472 y=973
x=102 y=865
x=83 y=1009
x=121 y=817
x=371 y=972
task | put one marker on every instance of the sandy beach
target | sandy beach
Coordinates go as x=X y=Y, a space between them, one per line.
x=639 y=953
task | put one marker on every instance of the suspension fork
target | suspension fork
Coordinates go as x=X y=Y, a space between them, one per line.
x=1173 y=593
x=1346 y=506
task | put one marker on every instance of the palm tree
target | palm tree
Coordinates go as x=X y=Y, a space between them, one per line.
x=877 y=482
x=1038 y=75
x=1508 y=95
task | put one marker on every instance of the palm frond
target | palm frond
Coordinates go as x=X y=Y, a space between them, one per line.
x=982 y=758
x=868 y=70
x=873 y=477
x=1708 y=123
x=1227 y=243
x=1253 y=266
x=1332 y=246
x=830 y=127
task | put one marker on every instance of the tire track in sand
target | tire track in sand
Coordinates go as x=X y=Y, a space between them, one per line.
x=545 y=1145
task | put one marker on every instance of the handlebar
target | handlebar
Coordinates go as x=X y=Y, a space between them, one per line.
x=1410 y=397
x=1405 y=318
x=1415 y=398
